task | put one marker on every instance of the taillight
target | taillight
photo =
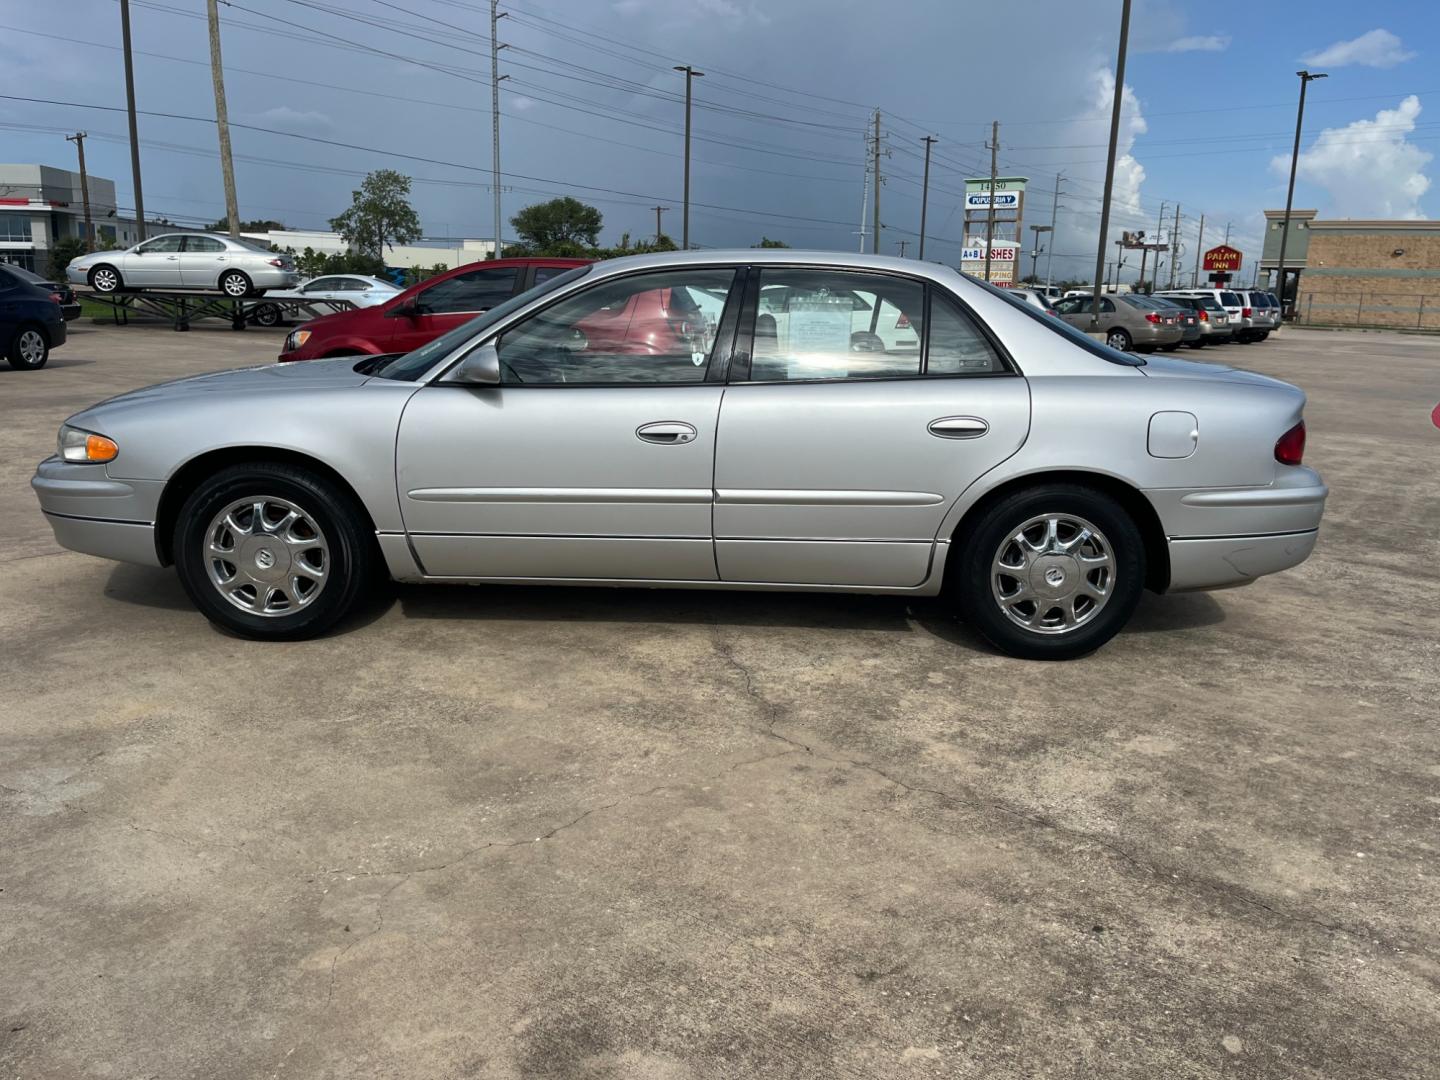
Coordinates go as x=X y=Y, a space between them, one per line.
x=277 y=262
x=903 y=322
x=57 y=298
x=1245 y=313
x=1152 y=317
x=1290 y=447
x=1203 y=315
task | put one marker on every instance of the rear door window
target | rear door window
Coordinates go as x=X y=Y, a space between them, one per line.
x=475 y=290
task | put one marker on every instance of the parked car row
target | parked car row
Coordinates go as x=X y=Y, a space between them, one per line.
x=1166 y=320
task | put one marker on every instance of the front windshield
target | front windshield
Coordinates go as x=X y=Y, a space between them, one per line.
x=412 y=365
x=1059 y=326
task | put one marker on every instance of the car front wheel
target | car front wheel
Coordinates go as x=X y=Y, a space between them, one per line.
x=105 y=279
x=272 y=551
x=1051 y=572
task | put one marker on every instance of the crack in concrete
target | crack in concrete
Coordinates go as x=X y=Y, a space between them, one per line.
x=1176 y=875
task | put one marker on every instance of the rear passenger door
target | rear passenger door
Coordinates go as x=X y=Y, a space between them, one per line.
x=839 y=452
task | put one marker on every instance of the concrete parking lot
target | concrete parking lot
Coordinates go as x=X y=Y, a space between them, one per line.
x=485 y=832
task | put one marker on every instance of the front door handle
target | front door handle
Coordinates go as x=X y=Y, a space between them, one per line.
x=666 y=432
x=958 y=427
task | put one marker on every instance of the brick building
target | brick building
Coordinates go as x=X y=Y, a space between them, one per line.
x=1370 y=273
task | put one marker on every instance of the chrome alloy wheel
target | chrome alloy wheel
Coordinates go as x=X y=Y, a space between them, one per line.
x=1119 y=340
x=1053 y=574
x=266 y=556
x=235 y=284
x=105 y=280
x=32 y=348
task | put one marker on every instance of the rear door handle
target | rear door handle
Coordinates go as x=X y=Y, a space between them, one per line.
x=958 y=427
x=666 y=432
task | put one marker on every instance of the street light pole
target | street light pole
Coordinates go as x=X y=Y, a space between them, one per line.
x=929 y=141
x=1035 y=246
x=690 y=75
x=222 y=121
x=1305 y=79
x=1110 y=160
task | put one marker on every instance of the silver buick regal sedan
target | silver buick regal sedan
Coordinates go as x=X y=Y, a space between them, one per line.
x=709 y=420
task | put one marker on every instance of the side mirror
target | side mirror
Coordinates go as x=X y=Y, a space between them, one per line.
x=406 y=309
x=480 y=367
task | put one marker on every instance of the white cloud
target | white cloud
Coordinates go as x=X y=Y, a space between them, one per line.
x=521 y=103
x=1200 y=43
x=1368 y=168
x=1375 y=48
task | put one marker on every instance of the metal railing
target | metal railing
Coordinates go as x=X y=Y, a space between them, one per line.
x=1377 y=309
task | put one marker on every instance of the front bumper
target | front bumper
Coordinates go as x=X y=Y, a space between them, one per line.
x=1219 y=537
x=92 y=513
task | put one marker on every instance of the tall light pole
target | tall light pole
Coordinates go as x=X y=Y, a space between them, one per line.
x=1305 y=79
x=1054 y=209
x=130 y=108
x=1110 y=160
x=495 y=16
x=929 y=141
x=690 y=75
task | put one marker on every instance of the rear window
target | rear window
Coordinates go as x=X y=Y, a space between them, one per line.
x=1063 y=329
x=1230 y=299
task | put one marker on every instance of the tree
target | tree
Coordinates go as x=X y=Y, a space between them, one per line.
x=766 y=242
x=380 y=215
x=560 y=227
x=71 y=247
x=258 y=225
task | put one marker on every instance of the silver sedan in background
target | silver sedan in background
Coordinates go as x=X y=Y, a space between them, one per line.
x=205 y=261
x=606 y=428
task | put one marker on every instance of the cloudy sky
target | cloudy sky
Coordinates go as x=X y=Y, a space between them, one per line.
x=593 y=108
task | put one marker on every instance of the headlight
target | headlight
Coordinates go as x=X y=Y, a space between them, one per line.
x=296 y=339
x=86 y=446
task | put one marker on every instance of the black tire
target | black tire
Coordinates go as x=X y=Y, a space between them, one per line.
x=266 y=315
x=1117 y=337
x=29 y=348
x=350 y=561
x=971 y=584
x=1198 y=343
x=1262 y=335
x=236 y=284
x=105 y=279
x=1171 y=347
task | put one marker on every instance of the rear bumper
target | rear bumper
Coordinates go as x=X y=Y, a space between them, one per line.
x=1220 y=537
x=1227 y=561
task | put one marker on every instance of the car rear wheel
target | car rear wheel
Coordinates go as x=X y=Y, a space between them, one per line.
x=105 y=279
x=29 y=349
x=1051 y=572
x=1118 y=338
x=272 y=552
x=266 y=315
x=235 y=283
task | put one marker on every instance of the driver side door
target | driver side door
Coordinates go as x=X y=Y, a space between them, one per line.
x=593 y=456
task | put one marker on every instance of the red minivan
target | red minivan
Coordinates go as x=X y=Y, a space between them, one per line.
x=422 y=312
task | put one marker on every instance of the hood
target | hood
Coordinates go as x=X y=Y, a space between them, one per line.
x=339 y=372
x=1165 y=367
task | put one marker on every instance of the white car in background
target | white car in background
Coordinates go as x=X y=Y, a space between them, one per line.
x=359 y=289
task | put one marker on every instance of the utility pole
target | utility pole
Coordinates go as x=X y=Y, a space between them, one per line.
x=1159 y=225
x=902 y=245
x=1054 y=209
x=1227 y=232
x=1199 y=247
x=222 y=119
x=495 y=16
x=658 y=211
x=1120 y=259
x=690 y=75
x=865 y=196
x=79 y=140
x=130 y=108
x=929 y=141
x=1110 y=158
x=1175 y=246
x=875 y=235
x=994 y=145
x=1305 y=80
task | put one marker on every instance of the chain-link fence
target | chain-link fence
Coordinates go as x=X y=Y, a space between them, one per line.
x=1378 y=309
